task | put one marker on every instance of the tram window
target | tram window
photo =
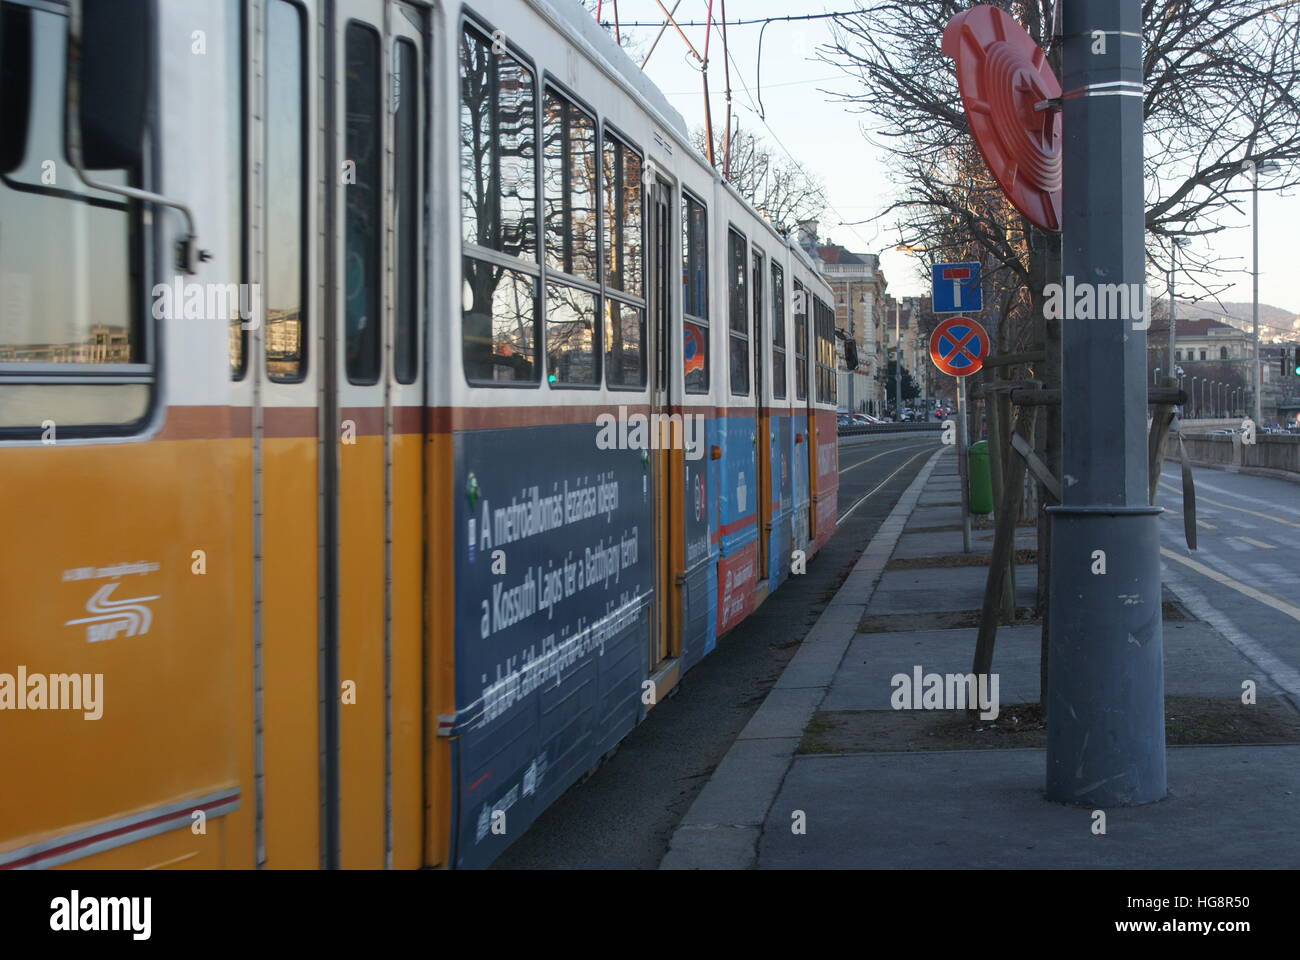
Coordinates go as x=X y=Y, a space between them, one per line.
x=695 y=295
x=236 y=250
x=624 y=344
x=569 y=187
x=819 y=337
x=499 y=319
x=285 y=333
x=571 y=354
x=363 y=215
x=778 y=333
x=622 y=217
x=71 y=289
x=497 y=149
x=800 y=341
x=408 y=210
x=738 y=313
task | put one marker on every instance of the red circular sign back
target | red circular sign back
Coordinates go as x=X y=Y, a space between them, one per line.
x=958 y=346
x=1002 y=73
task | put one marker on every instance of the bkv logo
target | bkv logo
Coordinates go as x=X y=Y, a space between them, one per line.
x=109 y=617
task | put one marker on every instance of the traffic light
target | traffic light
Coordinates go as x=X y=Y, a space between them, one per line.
x=1289 y=363
x=1295 y=362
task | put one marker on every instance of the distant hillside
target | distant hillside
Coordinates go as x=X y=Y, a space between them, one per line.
x=1273 y=321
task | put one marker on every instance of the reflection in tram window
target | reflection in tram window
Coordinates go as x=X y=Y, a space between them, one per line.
x=407 y=210
x=622 y=170
x=778 y=333
x=695 y=295
x=570 y=336
x=800 y=341
x=236 y=256
x=497 y=150
x=569 y=179
x=70 y=282
x=739 y=313
x=499 y=319
x=624 y=344
x=363 y=224
x=285 y=283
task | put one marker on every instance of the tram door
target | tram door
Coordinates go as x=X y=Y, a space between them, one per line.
x=373 y=422
x=668 y=458
x=762 y=445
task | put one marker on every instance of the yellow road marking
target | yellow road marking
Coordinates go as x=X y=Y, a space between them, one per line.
x=1220 y=503
x=1267 y=599
x=1256 y=543
x=1207 y=526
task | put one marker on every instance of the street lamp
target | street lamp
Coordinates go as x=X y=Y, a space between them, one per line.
x=1179 y=242
x=1155 y=377
x=1196 y=403
x=1267 y=168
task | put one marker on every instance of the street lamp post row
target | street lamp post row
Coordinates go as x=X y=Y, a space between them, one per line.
x=1255 y=169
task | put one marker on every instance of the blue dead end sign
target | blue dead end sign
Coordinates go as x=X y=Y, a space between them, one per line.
x=958 y=346
x=956 y=288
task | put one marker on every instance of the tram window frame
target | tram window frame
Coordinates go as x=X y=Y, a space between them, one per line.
x=738 y=312
x=695 y=288
x=408 y=181
x=296 y=364
x=778 y=332
x=559 y=228
x=527 y=263
x=800 y=340
x=238 y=61
x=616 y=153
x=363 y=358
x=88 y=397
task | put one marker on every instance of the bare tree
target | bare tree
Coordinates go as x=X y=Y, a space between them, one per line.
x=1222 y=83
x=782 y=190
x=607 y=14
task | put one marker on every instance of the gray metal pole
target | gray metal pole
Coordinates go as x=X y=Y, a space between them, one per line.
x=963 y=465
x=1173 y=333
x=1254 y=312
x=1106 y=739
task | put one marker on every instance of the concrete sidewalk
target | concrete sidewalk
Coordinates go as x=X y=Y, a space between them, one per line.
x=872 y=803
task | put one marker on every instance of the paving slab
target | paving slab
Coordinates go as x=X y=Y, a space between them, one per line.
x=943 y=543
x=1228 y=809
x=933 y=517
x=1197 y=664
x=940 y=498
x=947 y=588
x=862 y=681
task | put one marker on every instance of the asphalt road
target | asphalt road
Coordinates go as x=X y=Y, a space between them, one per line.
x=1244 y=575
x=624 y=814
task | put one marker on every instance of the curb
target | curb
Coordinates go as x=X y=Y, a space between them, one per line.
x=721 y=829
x=1271 y=472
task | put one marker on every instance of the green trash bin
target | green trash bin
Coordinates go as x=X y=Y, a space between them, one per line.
x=981 y=484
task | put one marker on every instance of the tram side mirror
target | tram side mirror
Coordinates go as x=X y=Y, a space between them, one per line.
x=15 y=84
x=851 y=354
x=113 y=74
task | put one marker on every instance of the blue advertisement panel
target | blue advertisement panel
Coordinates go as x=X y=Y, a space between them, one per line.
x=554 y=581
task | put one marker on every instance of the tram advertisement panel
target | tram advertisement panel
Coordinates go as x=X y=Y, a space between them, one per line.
x=554 y=577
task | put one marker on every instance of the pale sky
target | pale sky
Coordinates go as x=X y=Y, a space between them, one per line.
x=826 y=138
